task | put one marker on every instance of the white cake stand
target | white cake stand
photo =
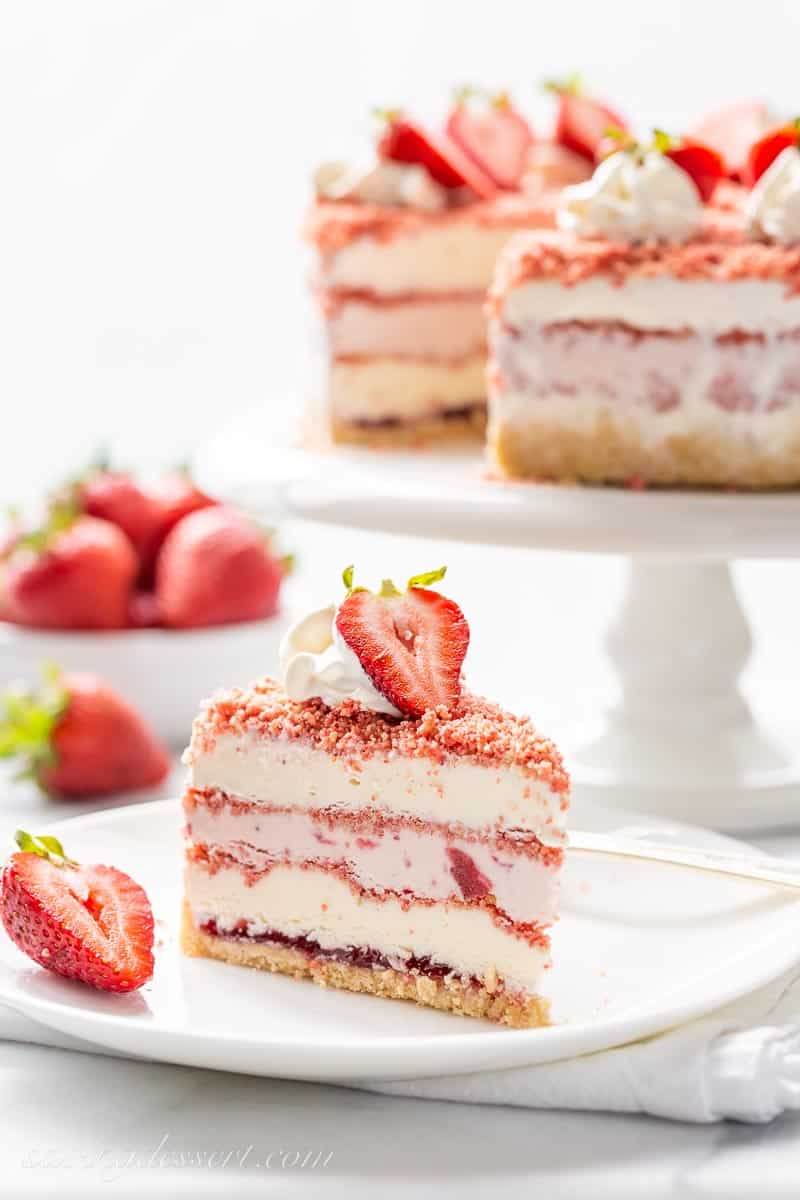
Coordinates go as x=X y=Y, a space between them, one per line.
x=682 y=741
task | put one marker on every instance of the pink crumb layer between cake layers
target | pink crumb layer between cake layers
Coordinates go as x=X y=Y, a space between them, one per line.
x=377 y=855
x=473 y=730
x=333 y=224
x=722 y=254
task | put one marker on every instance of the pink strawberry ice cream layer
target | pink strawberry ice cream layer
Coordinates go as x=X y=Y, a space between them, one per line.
x=441 y=330
x=415 y=859
x=675 y=377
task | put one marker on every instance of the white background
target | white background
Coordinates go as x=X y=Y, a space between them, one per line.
x=155 y=159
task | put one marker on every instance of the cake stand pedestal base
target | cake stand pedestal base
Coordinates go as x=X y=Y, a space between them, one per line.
x=682 y=741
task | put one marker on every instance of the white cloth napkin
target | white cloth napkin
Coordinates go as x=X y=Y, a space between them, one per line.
x=741 y=1063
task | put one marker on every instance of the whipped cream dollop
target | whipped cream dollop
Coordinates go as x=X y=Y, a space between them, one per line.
x=394 y=184
x=773 y=207
x=315 y=661
x=633 y=198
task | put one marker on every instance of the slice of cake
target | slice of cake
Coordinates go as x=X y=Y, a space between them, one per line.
x=406 y=247
x=368 y=825
x=649 y=338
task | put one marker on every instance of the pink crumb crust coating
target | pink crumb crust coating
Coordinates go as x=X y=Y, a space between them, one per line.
x=473 y=729
x=333 y=224
x=722 y=255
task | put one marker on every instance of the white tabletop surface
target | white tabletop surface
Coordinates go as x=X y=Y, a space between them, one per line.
x=155 y=156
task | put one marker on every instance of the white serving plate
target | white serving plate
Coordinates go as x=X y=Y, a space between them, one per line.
x=639 y=948
x=164 y=673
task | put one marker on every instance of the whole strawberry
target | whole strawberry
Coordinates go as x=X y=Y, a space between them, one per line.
x=174 y=496
x=75 y=573
x=217 y=567
x=94 y=923
x=76 y=737
x=115 y=496
x=411 y=644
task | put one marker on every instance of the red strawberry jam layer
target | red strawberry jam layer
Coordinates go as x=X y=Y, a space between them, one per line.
x=354 y=956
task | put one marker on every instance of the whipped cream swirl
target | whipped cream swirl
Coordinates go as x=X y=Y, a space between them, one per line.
x=633 y=198
x=393 y=184
x=315 y=661
x=773 y=208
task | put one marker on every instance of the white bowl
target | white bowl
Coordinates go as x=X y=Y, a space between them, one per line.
x=164 y=673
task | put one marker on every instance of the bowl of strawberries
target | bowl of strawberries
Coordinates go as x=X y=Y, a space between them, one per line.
x=155 y=587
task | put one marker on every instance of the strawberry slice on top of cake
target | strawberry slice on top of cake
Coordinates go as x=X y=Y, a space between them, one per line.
x=369 y=824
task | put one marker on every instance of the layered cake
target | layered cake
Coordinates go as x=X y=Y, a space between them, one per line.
x=651 y=338
x=406 y=246
x=367 y=824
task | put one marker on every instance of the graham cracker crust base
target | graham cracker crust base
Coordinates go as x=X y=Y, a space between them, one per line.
x=611 y=451
x=467 y=426
x=449 y=995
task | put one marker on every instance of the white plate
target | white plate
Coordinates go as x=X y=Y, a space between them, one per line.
x=639 y=948
x=448 y=495
x=161 y=672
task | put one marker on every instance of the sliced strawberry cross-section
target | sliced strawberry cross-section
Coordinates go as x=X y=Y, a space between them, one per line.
x=411 y=644
x=581 y=121
x=89 y=923
x=403 y=140
x=492 y=133
x=763 y=153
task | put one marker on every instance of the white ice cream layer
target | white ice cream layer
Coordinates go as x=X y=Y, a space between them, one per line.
x=290 y=773
x=749 y=305
x=405 y=390
x=454 y=257
x=310 y=903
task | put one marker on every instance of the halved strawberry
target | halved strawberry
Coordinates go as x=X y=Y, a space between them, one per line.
x=90 y=923
x=732 y=130
x=411 y=644
x=492 y=133
x=763 y=153
x=701 y=163
x=405 y=141
x=582 y=122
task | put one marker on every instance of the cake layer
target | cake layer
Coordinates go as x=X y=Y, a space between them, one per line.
x=467 y=941
x=438 y=329
x=660 y=303
x=458 y=793
x=448 y=993
x=606 y=401
x=380 y=389
x=518 y=877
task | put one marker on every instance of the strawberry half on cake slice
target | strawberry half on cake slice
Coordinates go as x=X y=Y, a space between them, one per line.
x=368 y=824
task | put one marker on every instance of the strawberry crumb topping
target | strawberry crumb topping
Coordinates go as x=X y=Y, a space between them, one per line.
x=721 y=256
x=473 y=728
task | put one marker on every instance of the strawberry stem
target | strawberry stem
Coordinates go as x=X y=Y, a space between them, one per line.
x=571 y=86
x=427 y=578
x=27 y=722
x=46 y=846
